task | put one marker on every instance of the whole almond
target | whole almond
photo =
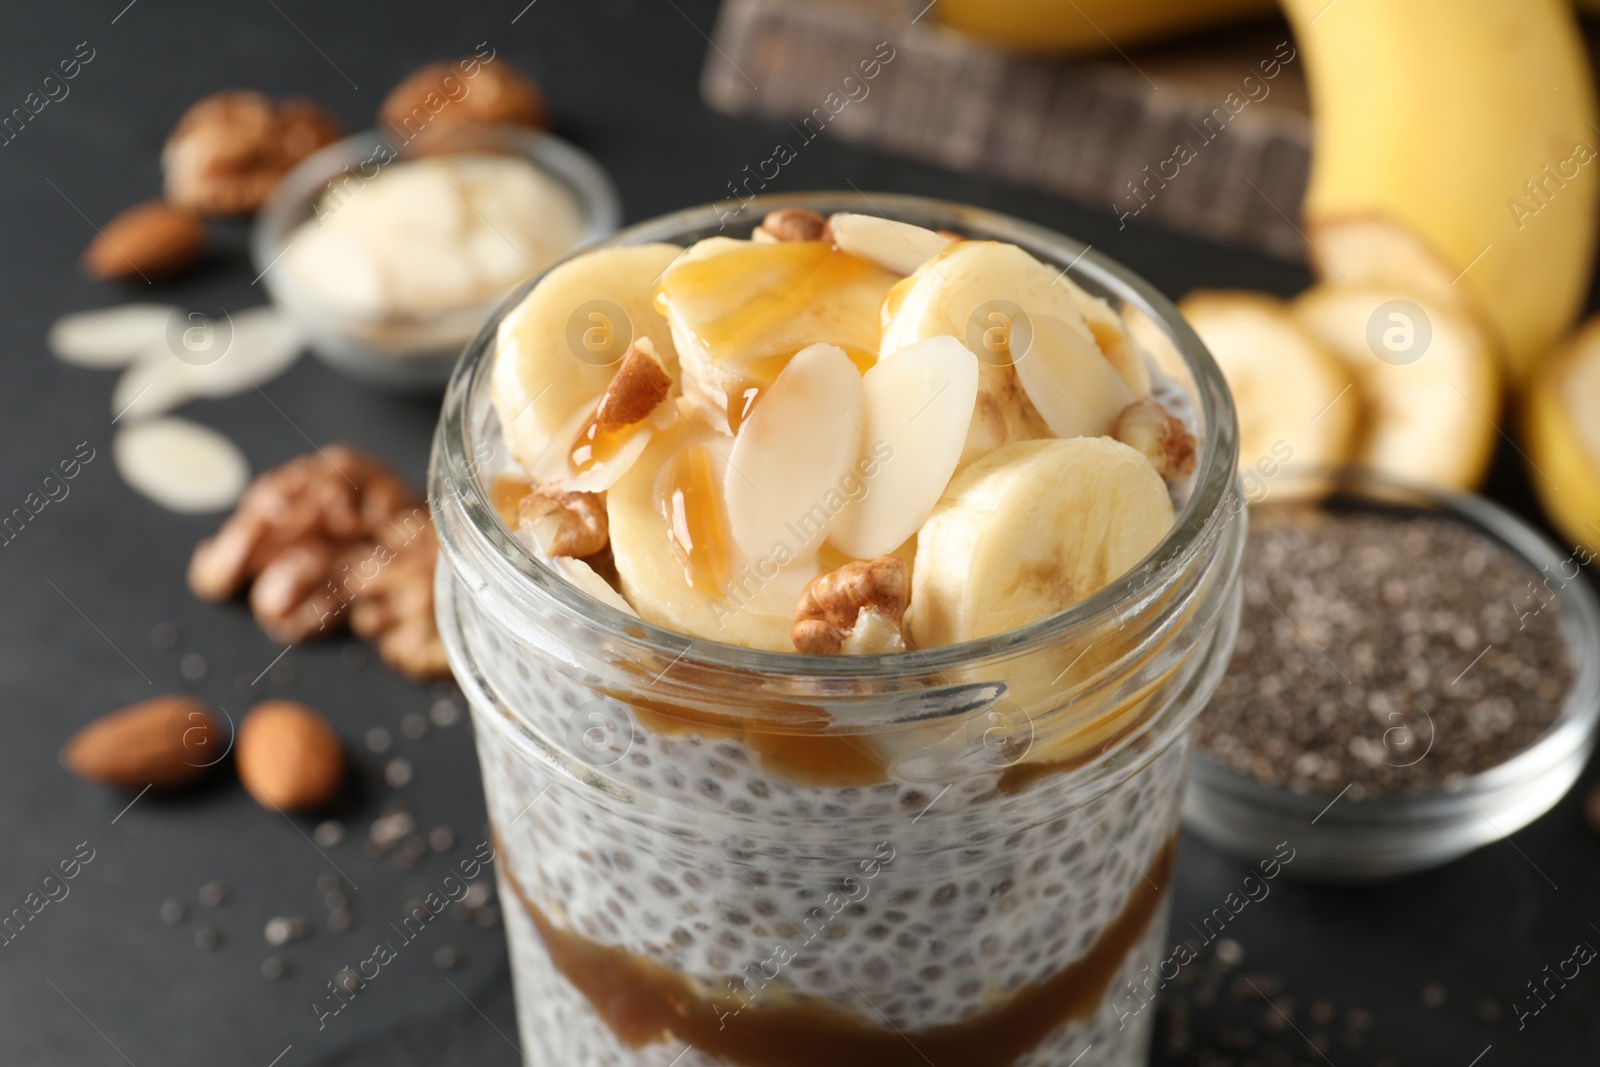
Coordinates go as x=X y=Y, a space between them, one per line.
x=164 y=742
x=289 y=757
x=151 y=240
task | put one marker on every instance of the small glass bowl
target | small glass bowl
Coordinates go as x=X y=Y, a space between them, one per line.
x=1376 y=838
x=404 y=352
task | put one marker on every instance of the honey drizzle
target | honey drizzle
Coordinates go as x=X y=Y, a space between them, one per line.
x=593 y=446
x=697 y=520
x=643 y=1002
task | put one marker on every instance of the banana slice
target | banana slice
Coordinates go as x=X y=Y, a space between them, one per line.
x=1030 y=529
x=1563 y=437
x=1428 y=378
x=676 y=561
x=1295 y=399
x=898 y=246
x=738 y=310
x=786 y=476
x=557 y=350
x=913 y=398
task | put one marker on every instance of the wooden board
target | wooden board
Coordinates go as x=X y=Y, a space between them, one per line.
x=1196 y=137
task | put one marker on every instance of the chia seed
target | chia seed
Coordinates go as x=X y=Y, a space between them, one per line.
x=1390 y=655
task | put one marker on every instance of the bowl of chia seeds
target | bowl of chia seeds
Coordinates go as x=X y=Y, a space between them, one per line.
x=1417 y=674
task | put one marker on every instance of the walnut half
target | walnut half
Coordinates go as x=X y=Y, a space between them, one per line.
x=857 y=609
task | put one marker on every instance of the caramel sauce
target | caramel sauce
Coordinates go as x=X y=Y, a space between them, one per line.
x=593 y=446
x=643 y=1002
x=792 y=746
x=506 y=493
x=697 y=520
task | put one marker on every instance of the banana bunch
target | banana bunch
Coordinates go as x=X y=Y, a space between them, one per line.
x=887 y=393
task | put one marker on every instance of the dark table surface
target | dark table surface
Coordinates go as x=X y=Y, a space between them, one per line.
x=98 y=978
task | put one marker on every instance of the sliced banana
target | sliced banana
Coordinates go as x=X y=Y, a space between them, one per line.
x=913 y=397
x=898 y=246
x=557 y=350
x=739 y=310
x=1562 y=436
x=1028 y=530
x=108 y=337
x=1297 y=403
x=676 y=561
x=1428 y=377
x=786 y=475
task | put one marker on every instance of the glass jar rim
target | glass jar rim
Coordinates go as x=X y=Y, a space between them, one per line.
x=1213 y=485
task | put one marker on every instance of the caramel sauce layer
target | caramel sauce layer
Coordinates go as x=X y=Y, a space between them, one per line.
x=644 y=1003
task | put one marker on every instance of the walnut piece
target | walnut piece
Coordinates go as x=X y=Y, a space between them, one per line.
x=324 y=540
x=1146 y=426
x=864 y=595
x=795 y=224
x=641 y=383
x=466 y=91
x=230 y=150
x=565 y=524
x=394 y=608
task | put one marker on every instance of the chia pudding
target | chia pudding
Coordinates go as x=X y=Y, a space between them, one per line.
x=906 y=792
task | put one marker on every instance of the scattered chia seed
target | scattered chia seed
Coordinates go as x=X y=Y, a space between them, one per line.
x=164 y=635
x=328 y=833
x=173 y=911
x=1321 y=1012
x=208 y=938
x=411 y=850
x=1433 y=995
x=193 y=666
x=445 y=713
x=1488 y=1011
x=335 y=900
x=282 y=929
x=284 y=672
x=488 y=916
x=341 y=920
x=441 y=839
x=213 y=894
x=414 y=726
x=397 y=773
x=327 y=882
x=379 y=740
x=446 y=958
x=274 y=968
x=1393 y=656
x=1229 y=952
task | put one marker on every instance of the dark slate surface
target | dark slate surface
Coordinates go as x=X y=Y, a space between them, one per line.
x=97 y=978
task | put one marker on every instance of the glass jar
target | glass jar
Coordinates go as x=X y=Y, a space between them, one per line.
x=959 y=855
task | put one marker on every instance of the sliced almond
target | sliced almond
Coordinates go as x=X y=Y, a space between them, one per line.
x=108 y=337
x=181 y=465
x=1072 y=385
x=785 y=478
x=265 y=342
x=897 y=246
x=913 y=397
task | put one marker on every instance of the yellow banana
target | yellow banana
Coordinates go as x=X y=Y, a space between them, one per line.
x=1562 y=437
x=1454 y=148
x=1087 y=26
